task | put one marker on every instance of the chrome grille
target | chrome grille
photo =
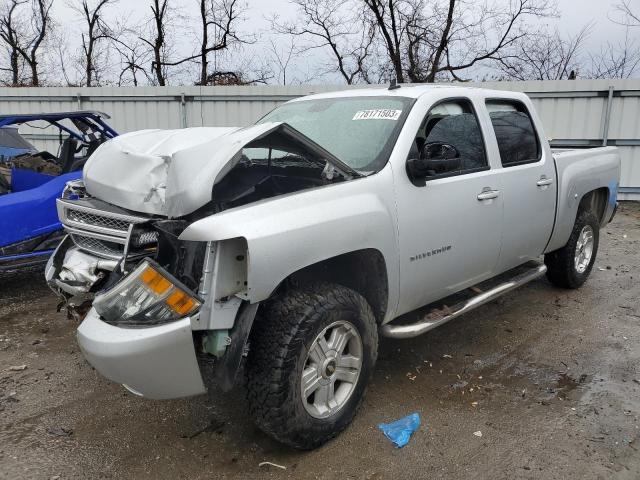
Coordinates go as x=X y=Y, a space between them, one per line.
x=87 y=218
x=104 y=230
x=99 y=247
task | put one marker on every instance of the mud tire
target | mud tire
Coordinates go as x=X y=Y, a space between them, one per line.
x=561 y=269
x=280 y=341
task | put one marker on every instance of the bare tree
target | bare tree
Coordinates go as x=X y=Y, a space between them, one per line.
x=282 y=58
x=544 y=56
x=626 y=15
x=218 y=23
x=414 y=40
x=425 y=39
x=621 y=60
x=388 y=23
x=40 y=22
x=133 y=54
x=95 y=39
x=24 y=38
x=63 y=56
x=162 y=29
x=9 y=27
x=338 y=26
x=616 y=61
x=219 y=20
x=158 y=42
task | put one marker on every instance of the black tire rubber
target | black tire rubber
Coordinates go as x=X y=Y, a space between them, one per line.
x=279 y=344
x=561 y=269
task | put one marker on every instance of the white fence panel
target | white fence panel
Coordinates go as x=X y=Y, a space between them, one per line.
x=576 y=114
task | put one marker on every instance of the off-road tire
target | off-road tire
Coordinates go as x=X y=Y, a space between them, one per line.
x=279 y=343
x=561 y=270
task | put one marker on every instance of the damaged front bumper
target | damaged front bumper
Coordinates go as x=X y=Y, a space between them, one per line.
x=157 y=362
x=74 y=271
x=113 y=272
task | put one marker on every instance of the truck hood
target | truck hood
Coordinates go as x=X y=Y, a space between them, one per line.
x=172 y=172
x=166 y=172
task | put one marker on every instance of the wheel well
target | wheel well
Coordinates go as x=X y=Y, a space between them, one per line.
x=596 y=202
x=364 y=271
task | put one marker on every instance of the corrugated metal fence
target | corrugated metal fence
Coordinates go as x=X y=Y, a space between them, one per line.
x=581 y=113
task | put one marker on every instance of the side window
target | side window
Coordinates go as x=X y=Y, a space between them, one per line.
x=517 y=138
x=454 y=123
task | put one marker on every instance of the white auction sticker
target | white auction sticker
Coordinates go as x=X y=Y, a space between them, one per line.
x=378 y=114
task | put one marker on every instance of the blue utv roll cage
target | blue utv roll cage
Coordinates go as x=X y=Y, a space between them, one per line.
x=29 y=226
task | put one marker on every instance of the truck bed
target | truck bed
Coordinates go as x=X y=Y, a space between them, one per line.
x=579 y=171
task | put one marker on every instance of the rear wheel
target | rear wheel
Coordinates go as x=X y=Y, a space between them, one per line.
x=570 y=266
x=311 y=357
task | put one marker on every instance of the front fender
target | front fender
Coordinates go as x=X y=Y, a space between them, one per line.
x=290 y=232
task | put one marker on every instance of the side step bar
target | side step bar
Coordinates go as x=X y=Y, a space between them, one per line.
x=431 y=321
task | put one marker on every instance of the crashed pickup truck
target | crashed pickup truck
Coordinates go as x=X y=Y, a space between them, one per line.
x=289 y=246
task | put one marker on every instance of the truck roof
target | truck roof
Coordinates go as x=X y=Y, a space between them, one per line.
x=414 y=91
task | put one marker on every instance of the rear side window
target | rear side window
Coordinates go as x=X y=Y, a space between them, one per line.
x=517 y=138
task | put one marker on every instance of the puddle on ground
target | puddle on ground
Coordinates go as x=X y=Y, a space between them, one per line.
x=568 y=383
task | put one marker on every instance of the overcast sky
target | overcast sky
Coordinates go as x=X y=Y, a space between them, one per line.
x=574 y=14
x=577 y=13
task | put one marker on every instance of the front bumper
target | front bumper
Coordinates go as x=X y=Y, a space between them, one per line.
x=156 y=362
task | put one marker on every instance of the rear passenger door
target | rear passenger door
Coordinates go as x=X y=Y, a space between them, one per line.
x=528 y=183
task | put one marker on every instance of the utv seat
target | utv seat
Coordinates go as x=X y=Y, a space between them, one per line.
x=68 y=155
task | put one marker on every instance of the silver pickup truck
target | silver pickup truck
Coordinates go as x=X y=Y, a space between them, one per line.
x=295 y=242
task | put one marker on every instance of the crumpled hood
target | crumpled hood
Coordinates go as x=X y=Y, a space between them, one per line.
x=166 y=172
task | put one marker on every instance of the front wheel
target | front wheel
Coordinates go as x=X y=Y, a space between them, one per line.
x=312 y=355
x=570 y=266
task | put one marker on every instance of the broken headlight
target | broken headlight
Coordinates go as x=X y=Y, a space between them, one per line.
x=148 y=296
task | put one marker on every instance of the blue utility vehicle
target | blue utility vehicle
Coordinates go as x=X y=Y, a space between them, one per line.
x=32 y=179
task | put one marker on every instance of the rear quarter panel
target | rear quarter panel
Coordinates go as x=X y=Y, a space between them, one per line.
x=578 y=173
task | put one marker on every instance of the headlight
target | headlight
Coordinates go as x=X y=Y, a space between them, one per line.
x=147 y=296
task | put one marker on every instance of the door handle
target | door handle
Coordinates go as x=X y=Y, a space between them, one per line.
x=488 y=194
x=544 y=181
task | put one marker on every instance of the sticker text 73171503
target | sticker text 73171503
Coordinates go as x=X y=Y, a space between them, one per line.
x=378 y=114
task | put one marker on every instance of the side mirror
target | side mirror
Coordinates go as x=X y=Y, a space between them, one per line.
x=435 y=158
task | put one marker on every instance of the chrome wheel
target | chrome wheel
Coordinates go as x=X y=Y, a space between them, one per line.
x=331 y=370
x=584 y=249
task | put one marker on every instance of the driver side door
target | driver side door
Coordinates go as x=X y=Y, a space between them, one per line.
x=450 y=223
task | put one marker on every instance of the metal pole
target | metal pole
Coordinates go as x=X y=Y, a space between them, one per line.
x=607 y=117
x=183 y=110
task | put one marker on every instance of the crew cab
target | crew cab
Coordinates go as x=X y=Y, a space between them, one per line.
x=295 y=242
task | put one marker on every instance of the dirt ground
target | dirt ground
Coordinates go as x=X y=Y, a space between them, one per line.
x=550 y=377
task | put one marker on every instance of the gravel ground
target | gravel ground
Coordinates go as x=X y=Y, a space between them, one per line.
x=550 y=377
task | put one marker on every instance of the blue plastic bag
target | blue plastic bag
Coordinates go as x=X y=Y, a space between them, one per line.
x=399 y=432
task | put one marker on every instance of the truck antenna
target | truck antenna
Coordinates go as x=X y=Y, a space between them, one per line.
x=394 y=84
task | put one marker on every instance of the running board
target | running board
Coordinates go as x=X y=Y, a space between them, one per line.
x=435 y=319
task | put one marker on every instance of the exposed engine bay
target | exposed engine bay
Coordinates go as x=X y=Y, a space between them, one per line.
x=270 y=168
